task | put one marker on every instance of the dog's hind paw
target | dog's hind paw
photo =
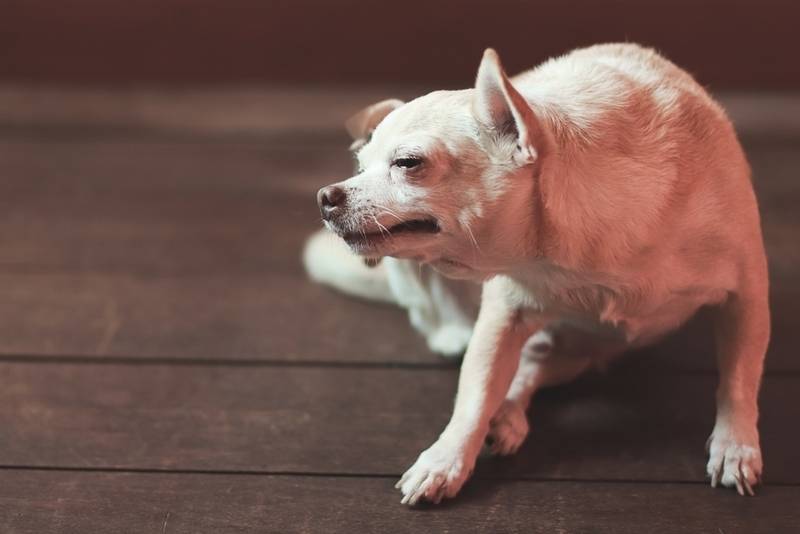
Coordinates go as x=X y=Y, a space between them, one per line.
x=507 y=429
x=450 y=340
x=734 y=462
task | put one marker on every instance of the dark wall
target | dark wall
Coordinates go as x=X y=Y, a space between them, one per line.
x=726 y=43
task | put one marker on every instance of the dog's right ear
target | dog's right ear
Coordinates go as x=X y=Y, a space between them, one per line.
x=363 y=123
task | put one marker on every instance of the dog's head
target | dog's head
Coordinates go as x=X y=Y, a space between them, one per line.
x=445 y=179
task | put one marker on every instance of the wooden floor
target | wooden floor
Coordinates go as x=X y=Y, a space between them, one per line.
x=167 y=368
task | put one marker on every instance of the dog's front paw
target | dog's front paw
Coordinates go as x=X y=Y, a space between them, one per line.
x=734 y=459
x=439 y=472
x=507 y=429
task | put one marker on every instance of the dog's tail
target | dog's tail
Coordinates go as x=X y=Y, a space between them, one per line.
x=328 y=260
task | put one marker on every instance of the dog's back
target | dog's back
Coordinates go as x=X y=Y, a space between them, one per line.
x=647 y=158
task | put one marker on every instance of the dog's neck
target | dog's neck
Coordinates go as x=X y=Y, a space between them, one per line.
x=585 y=192
x=562 y=214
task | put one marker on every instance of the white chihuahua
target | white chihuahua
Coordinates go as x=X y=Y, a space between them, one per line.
x=602 y=195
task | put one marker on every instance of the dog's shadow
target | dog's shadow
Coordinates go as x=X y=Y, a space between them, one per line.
x=645 y=418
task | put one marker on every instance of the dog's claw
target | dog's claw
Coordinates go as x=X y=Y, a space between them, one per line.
x=749 y=488
x=737 y=478
x=420 y=491
x=402 y=480
x=436 y=488
x=715 y=477
x=412 y=496
x=407 y=498
x=746 y=481
x=439 y=495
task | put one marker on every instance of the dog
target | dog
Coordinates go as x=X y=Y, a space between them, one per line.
x=600 y=196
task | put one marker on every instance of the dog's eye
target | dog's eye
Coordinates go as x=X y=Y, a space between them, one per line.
x=407 y=163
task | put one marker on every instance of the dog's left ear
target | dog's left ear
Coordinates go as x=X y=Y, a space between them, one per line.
x=362 y=124
x=499 y=106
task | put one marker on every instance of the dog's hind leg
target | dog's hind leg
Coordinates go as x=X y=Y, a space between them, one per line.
x=442 y=310
x=542 y=364
x=742 y=332
x=329 y=261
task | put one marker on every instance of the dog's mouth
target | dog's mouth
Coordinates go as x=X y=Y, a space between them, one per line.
x=413 y=227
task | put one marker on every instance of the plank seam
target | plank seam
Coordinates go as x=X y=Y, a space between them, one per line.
x=80 y=359
x=322 y=474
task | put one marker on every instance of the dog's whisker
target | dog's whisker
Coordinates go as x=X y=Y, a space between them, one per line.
x=382 y=228
x=389 y=212
x=476 y=249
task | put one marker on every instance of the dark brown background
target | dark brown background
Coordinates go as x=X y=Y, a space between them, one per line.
x=729 y=44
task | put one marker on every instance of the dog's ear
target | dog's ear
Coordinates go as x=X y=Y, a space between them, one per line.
x=499 y=106
x=362 y=124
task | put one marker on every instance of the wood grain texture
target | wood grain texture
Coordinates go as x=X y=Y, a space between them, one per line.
x=159 y=208
x=189 y=233
x=295 y=116
x=273 y=317
x=167 y=368
x=224 y=318
x=33 y=502
x=625 y=426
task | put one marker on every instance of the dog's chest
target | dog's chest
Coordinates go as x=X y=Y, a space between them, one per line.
x=640 y=311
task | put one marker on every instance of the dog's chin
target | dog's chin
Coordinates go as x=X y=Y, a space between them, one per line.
x=454 y=269
x=405 y=239
x=404 y=247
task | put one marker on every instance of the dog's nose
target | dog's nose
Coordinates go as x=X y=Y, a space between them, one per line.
x=329 y=199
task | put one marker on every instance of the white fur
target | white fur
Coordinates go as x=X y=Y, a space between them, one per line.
x=329 y=261
x=442 y=310
x=604 y=194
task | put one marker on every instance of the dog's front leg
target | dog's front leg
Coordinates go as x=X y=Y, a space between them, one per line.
x=486 y=373
x=742 y=328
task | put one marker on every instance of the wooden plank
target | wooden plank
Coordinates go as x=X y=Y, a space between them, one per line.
x=265 y=110
x=170 y=208
x=155 y=233
x=32 y=502
x=225 y=318
x=274 y=112
x=163 y=208
x=272 y=316
x=72 y=160
x=361 y=421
